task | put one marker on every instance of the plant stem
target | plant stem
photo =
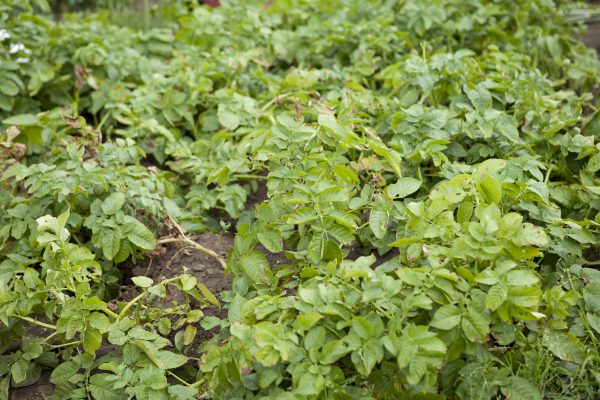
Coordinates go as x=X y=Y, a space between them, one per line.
x=195 y=245
x=185 y=239
x=130 y=304
x=178 y=378
x=58 y=346
x=111 y=313
x=34 y=321
x=140 y=296
x=250 y=176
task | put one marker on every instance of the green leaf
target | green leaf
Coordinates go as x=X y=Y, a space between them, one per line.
x=564 y=346
x=403 y=187
x=208 y=295
x=180 y=392
x=521 y=277
x=517 y=388
x=142 y=281
x=271 y=239
x=490 y=189
x=305 y=321
x=138 y=234
x=487 y=168
x=507 y=127
x=594 y=163
x=256 y=267
x=496 y=296
x=111 y=242
x=378 y=221
x=228 y=119
x=316 y=247
x=99 y=321
x=63 y=372
x=475 y=326
x=113 y=203
x=102 y=388
x=92 y=339
x=19 y=370
x=446 y=317
x=480 y=98
x=362 y=327
x=21 y=119
x=302 y=216
x=170 y=360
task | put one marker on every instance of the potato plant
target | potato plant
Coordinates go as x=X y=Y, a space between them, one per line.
x=428 y=170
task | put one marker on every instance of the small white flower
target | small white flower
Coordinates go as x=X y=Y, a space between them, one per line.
x=4 y=34
x=22 y=60
x=15 y=47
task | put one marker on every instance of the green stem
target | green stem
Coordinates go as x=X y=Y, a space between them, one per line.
x=178 y=378
x=250 y=176
x=34 y=321
x=130 y=304
x=137 y=298
x=75 y=343
x=111 y=313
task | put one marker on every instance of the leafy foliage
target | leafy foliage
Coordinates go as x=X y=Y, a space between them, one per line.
x=431 y=175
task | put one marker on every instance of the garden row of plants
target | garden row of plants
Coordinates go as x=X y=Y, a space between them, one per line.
x=431 y=170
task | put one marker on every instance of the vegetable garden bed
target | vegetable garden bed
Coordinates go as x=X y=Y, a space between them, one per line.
x=299 y=199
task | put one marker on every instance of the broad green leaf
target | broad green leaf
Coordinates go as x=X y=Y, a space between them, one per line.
x=564 y=346
x=142 y=281
x=305 y=321
x=475 y=326
x=138 y=234
x=403 y=187
x=92 y=339
x=378 y=221
x=521 y=277
x=113 y=203
x=490 y=189
x=21 y=119
x=517 y=388
x=446 y=317
x=271 y=239
x=487 y=168
x=302 y=216
x=496 y=296
x=180 y=392
x=256 y=267
x=111 y=242
x=228 y=119
x=99 y=321
x=19 y=370
x=102 y=388
x=170 y=360
x=480 y=98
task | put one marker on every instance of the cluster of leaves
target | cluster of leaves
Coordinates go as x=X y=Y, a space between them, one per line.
x=431 y=176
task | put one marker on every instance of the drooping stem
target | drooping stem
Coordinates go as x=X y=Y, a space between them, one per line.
x=184 y=239
x=196 y=246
